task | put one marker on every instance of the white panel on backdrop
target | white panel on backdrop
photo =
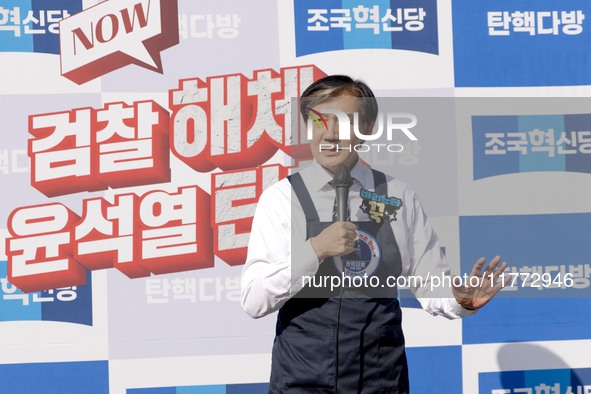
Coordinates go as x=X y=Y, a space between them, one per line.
x=216 y=38
x=422 y=329
x=205 y=319
x=3 y=235
x=42 y=72
x=188 y=371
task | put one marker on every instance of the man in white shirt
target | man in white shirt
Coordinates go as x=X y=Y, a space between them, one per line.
x=349 y=338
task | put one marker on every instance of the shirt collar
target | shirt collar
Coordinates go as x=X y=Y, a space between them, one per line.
x=317 y=176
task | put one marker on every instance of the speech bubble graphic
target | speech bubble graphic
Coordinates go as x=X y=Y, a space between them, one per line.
x=116 y=33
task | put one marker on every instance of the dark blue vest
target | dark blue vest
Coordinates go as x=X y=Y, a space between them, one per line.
x=371 y=357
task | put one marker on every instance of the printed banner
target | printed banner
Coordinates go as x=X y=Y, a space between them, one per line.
x=551 y=381
x=137 y=137
x=345 y=24
x=529 y=143
x=522 y=43
x=33 y=25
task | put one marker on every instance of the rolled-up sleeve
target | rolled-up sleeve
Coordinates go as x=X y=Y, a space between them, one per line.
x=428 y=262
x=268 y=278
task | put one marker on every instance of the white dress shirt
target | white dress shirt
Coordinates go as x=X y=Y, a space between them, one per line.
x=268 y=279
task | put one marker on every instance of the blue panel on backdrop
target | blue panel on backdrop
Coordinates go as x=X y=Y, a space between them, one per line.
x=525 y=320
x=535 y=381
x=531 y=143
x=75 y=306
x=539 y=131
x=321 y=40
x=48 y=42
x=407 y=299
x=435 y=369
x=12 y=37
x=578 y=142
x=346 y=24
x=423 y=40
x=14 y=304
x=247 y=388
x=533 y=245
x=152 y=390
x=32 y=25
x=212 y=389
x=484 y=130
x=556 y=244
x=521 y=42
x=88 y=377
x=69 y=305
x=254 y=388
x=362 y=37
x=499 y=380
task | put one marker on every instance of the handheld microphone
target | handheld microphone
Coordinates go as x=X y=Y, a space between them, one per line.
x=342 y=181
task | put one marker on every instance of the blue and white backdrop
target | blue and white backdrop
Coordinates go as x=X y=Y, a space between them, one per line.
x=137 y=136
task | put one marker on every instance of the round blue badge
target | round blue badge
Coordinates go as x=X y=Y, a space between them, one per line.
x=364 y=262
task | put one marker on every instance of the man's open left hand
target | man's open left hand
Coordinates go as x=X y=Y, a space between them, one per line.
x=477 y=292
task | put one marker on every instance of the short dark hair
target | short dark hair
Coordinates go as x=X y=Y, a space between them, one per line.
x=339 y=85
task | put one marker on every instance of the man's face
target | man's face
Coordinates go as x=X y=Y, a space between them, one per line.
x=327 y=148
